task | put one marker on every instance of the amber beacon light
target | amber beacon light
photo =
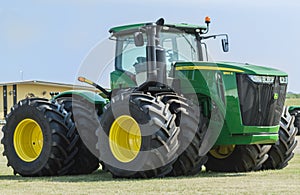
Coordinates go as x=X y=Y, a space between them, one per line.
x=207 y=19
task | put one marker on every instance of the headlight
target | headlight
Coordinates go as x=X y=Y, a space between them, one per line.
x=262 y=79
x=283 y=80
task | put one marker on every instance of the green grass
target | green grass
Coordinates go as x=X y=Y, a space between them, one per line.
x=292 y=101
x=284 y=181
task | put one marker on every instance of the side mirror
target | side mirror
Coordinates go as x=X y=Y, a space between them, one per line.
x=138 y=39
x=225 y=45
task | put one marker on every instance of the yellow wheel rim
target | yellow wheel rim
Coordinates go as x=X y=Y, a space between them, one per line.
x=28 y=140
x=125 y=138
x=222 y=152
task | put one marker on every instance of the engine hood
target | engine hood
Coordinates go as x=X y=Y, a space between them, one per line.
x=242 y=68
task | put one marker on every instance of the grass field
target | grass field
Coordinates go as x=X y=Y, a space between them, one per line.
x=292 y=101
x=286 y=181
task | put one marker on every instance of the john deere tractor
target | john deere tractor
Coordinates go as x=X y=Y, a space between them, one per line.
x=169 y=111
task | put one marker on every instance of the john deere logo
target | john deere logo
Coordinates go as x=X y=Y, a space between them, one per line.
x=276 y=96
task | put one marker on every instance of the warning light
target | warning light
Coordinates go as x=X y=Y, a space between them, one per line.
x=207 y=19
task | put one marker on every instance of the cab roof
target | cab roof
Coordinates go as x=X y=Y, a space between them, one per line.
x=188 y=28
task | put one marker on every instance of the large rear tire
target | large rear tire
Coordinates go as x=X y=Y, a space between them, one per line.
x=84 y=161
x=282 y=152
x=192 y=130
x=36 y=140
x=139 y=137
x=236 y=158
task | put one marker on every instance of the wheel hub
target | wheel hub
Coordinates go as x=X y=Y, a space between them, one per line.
x=28 y=140
x=125 y=138
x=222 y=152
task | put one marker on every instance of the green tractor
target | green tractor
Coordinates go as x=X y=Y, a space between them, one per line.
x=169 y=112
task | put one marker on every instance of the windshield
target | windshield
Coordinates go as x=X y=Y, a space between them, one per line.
x=178 y=46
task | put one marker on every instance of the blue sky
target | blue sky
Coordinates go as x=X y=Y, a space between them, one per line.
x=48 y=39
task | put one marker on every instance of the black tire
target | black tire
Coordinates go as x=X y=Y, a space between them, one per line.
x=158 y=134
x=84 y=162
x=192 y=129
x=282 y=152
x=296 y=114
x=243 y=158
x=32 y=118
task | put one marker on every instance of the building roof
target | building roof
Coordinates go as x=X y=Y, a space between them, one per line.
x=38 y=82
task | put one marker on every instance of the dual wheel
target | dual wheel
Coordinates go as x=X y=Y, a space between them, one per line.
x=243 y=158
x=142 y=136
x=41 y=139
x=237 y=158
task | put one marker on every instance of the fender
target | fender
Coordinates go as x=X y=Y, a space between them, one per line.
x=292 y=108
x=88 y=95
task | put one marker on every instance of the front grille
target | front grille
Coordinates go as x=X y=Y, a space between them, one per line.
x=257 y=102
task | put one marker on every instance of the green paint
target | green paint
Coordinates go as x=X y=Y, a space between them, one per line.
x=295 y=107
x=119 y=80
x=182 y=26
x=88 y=95
x=203 y=82
x=236 y=67
x=212 y=83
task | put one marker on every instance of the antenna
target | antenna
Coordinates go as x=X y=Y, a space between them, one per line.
x=21 y=75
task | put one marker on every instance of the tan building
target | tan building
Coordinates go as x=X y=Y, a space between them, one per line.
x=12 y=92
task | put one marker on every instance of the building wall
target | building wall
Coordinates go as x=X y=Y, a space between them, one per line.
x=24 y=90
x=39 y=90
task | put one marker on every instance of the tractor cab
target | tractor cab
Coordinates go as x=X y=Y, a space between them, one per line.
x=149 y=51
